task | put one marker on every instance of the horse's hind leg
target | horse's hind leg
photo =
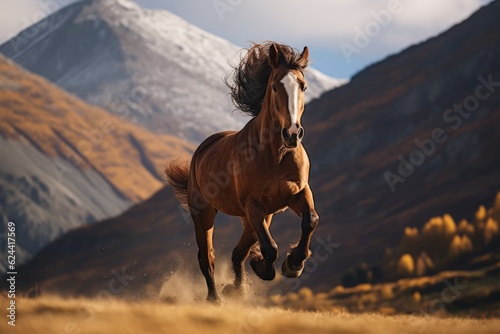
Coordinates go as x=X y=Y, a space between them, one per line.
x=240 y=253
x=204 y=227
x=303 y=205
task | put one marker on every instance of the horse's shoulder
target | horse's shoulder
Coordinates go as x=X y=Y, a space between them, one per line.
x=300 y=157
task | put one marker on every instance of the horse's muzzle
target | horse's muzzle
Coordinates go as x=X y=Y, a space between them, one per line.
x=293 y=140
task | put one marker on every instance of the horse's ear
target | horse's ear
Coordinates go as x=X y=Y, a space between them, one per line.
x=274 y=56
x=304 y=57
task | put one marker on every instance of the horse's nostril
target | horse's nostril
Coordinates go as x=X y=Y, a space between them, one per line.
x=301 y=133
x=285 y=133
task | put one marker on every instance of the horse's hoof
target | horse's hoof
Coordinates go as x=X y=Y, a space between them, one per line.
x=291 y=271
x=263 y=269
x=214 y=298
x=232 y=291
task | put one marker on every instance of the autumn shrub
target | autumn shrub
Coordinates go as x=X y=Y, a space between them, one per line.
x=406 y=265
x=440 y=245
x=424 y=265
x=459 y=246
x=437 y=234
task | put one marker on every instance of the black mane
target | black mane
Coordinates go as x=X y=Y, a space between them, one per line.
x=251 y=76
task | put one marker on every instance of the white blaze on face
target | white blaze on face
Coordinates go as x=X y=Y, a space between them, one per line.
x=292 y=89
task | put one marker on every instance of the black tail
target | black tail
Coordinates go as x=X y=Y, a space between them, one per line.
x=177 y=177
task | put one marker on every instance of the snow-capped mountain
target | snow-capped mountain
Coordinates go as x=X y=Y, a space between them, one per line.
x=147 y=66
x=319 y=83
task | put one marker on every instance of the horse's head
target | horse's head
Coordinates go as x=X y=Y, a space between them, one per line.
x=287 y=93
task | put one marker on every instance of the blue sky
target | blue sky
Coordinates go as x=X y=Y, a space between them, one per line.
x=344 y=36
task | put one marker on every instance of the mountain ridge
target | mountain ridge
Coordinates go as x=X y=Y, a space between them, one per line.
x=146 y=63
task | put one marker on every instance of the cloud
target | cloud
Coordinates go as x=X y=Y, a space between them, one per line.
x=327 y=22
x=322 y=24
x=13 y=18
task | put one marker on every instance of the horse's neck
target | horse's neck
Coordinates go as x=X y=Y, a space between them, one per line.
x=264 y=136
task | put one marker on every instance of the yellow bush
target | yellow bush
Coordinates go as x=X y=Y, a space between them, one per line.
x=437 y=234
x=465 y=228
x=481 y=213
x=424 y=264
x=411 y=232
x=440 y=242
x=420 y=269
x=459 y=246
x=406 y=265
x=444 y=226
x=490 y=230
x=467 y=244
x=432 y=227
x=417 y=297
x=450 y=228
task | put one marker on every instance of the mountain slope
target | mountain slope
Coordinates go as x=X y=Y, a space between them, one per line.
x=66 y=163
x=407 y=108
x=151 y=66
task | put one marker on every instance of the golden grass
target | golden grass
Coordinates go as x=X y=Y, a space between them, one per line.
x=51 y=314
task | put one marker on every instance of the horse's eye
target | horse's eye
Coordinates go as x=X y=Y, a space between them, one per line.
x=275 y=88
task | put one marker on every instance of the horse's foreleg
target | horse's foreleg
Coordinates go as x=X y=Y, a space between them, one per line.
x=262 y=263
x=303 y=205
x=204 y=227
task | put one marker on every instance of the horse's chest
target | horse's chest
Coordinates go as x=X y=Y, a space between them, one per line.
x=280 y=188
x=275 y=186
x=276 y=196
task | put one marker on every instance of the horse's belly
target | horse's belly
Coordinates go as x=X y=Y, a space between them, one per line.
x=229 y=209
x=226 y=202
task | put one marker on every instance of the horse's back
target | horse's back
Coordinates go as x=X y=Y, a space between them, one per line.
x=212 y=154
x=211 y=141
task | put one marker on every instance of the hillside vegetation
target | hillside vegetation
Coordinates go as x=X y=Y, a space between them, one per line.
x=441 y=244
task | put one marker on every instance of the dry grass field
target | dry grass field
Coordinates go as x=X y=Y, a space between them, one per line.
x=49 y=314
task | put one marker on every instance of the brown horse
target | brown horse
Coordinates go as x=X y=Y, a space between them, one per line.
x=256 y=172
